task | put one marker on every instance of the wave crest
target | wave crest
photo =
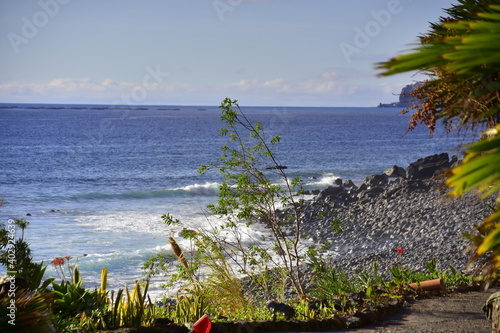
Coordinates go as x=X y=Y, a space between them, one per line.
x=325 y=180
x=207 y=189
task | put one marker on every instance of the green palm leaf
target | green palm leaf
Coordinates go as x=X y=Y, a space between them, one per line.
x=463 y=54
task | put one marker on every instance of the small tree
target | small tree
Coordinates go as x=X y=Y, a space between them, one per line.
x=255 y=189
x=248 y=192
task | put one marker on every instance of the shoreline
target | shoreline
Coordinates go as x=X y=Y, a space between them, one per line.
x=400 y=209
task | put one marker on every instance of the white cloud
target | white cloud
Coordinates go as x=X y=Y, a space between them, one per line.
x=329 y=75
x=328 y=83
x=244 y=84
x=332 y=87
x=273 y=83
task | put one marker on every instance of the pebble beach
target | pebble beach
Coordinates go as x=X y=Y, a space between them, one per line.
x=397 y=217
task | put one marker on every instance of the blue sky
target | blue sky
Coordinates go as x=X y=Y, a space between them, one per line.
x=261 y=52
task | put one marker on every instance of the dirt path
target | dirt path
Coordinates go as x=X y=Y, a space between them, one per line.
x=459 y=313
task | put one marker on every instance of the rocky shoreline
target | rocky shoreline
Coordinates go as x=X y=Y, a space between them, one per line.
x=403 y=209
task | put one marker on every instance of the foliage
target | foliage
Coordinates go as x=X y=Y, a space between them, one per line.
x=72 y=308
x=32 y=313
x=257 y=312
x=329 y=282
x=32 y=304
x=15 y=252
x=191 y=306
x=93 y=310
x=132 y=310
x=253 y=190
x=68 y=305
x=459 y=54
x=70 y=298
x=402 y=276
x=480 y=171
x=16 y=256
x=462 y=54
x=307 y=310
x=368 y=280
x=248 y=193
x=488 y=306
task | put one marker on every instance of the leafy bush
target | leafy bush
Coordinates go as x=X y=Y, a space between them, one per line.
x=461 y=56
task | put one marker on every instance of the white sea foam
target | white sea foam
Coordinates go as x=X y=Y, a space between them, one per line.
x=208 y=188
x=325 y=180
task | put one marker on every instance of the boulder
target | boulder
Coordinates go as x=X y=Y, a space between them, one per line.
x=376 y=180
x=395 y=171
x=362 y=187
x=331 y=191
x=370 y=193
x=349 y=184
x=311 y=192
x=428 y=167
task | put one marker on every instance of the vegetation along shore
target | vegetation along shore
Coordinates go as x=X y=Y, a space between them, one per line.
x=347 y=257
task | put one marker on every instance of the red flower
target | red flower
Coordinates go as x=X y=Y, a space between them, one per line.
x=399 y=251
x=59 y=261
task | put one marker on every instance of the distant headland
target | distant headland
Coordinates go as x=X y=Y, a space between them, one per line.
x=405 y=98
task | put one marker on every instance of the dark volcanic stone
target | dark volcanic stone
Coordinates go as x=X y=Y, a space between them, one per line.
x=349 y=184
x=414 y=215
x=428 y=167
x=395 y=171
x=332 y=191
x=376 y=180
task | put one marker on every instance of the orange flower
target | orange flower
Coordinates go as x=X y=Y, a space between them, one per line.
x=59 y=261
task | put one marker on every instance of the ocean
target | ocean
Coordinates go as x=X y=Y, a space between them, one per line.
x=96 y=179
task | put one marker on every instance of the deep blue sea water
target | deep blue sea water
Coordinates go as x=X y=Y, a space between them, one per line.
x=96 y=179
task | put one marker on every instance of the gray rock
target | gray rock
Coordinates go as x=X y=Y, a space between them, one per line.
x=410 y=214
x=370 y=193
x=414 y=217
x=395 y=171
x=311 y=192
x=362 y=187
x=428 y=167
x=376 y=180
x=353 y=322
x=349 y=184
x=331 y=191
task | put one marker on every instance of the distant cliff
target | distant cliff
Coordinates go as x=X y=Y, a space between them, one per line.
x=405 y=99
